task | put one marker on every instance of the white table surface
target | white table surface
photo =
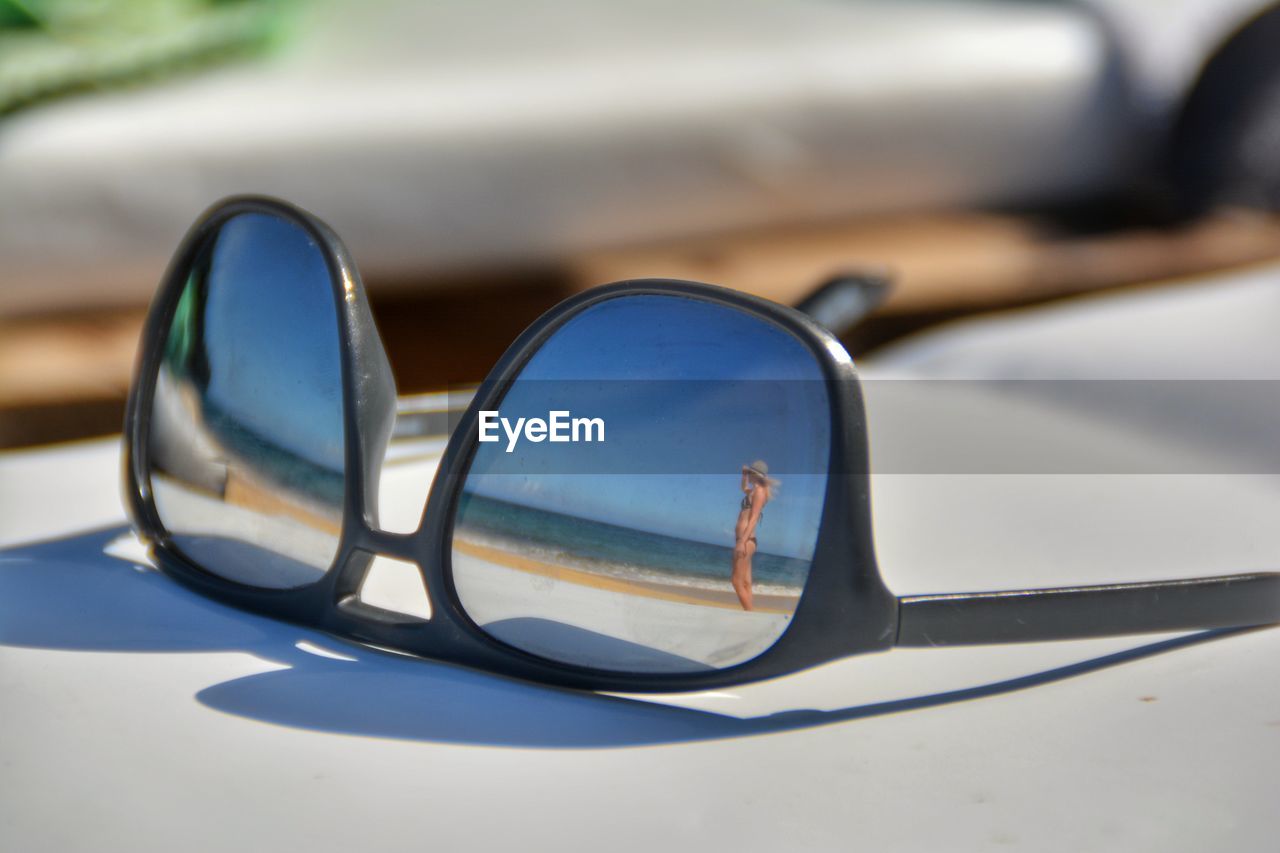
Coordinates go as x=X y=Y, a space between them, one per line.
x=135 y=715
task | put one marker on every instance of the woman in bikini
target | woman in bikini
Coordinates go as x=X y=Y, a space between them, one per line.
x=757 y=490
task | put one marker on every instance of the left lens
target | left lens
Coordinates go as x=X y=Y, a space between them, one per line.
x=652 y=500
x=246 y=436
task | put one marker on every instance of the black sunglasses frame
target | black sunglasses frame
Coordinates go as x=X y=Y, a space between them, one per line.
x=845 y=609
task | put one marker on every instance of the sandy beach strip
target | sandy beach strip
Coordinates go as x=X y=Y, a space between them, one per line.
x=784 y=604
x=246 y=491
x=200 y=512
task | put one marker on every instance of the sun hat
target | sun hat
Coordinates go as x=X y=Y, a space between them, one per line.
x=761 y=470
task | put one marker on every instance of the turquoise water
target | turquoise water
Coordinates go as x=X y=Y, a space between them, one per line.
x=286 y=470
x=617 y=551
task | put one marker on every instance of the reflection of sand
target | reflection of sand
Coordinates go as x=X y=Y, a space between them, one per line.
x=649 y=589
x=664 y=628
x=185 y=510
x=243 y=491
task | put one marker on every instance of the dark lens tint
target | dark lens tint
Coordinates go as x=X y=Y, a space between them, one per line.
x=676 y=532
x=246 y=427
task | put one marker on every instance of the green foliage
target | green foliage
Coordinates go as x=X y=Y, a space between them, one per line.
x=54 y=47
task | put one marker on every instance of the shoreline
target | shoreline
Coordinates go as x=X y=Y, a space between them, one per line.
x=764 y=602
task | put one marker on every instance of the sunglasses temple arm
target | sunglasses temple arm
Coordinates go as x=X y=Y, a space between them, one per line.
x=843 y=301
x=430 y=416
x=1069 y=613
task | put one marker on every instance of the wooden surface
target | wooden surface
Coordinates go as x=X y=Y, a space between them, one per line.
x=952 y=262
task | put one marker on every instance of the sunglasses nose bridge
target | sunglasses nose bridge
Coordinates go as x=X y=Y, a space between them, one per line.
x=384 y=543
x=365 y=548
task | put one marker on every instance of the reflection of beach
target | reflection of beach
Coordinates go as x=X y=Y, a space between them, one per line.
x=661 y=629
x=273 y=500
x=222 y=486
x=649 y=588
x=254 y=516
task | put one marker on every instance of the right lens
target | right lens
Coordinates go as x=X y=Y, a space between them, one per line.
x=247 y=443
x=650 y=500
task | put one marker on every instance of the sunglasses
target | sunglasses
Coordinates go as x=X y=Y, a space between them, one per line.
x=661 y=486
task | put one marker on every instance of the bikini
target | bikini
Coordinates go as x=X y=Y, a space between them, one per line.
x=746 y=504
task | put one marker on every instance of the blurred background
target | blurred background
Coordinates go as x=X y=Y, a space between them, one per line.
x=484 y=159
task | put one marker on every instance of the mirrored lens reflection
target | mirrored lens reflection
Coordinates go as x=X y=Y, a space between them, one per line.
x=674 y=535
x=246 y=430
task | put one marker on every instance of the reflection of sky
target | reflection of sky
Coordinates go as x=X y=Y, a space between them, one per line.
x=729 y=389
x=271 y=337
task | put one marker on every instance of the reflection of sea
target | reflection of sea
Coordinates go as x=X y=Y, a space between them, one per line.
x=623 y=552
x=282 y=468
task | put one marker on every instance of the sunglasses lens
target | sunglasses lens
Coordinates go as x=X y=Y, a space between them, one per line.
x=646 y=496
x=246 y=439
